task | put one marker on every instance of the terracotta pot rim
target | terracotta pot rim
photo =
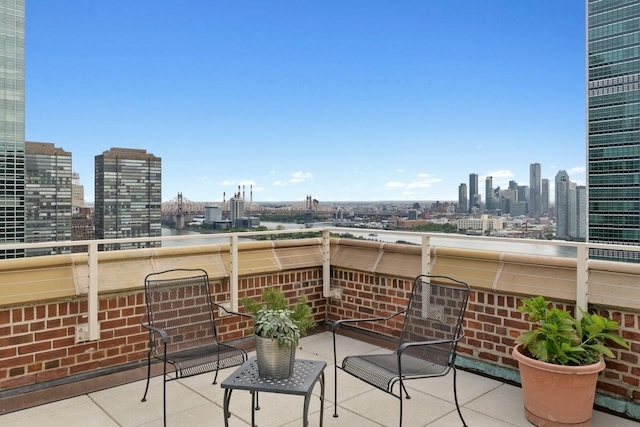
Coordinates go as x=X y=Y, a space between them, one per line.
x=551 y=367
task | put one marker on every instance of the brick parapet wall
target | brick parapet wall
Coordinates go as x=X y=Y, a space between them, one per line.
x=37 y=342
x=492 y=324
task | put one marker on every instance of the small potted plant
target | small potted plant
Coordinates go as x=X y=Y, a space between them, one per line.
x=277 y=329
x=559 y=362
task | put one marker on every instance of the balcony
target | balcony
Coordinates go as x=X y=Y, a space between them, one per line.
x=196 y=402
x=70 y=324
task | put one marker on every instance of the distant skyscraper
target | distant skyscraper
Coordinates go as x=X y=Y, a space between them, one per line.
x=48 y=196
x=581 y=220
x=236 y=206
x=463 y=205
x=77 y=192
x=12 y=220
x=488 y=190
x=535 y=189
x=128 y=196
x=545 y=196
x=613 y=78
x=561 y=205
x=523 y=196
x=474 y=194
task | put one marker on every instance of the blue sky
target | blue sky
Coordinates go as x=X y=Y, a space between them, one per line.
x=341 y=100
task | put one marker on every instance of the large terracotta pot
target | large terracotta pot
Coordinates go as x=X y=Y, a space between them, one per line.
x=557 y=395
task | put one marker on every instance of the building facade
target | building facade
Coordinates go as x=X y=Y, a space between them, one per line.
x=47 y=196
x=561 y=204
x=613 y=145
x=535 y=189
x=128 y=196
x=77 y=193
x=474 y=195
x=488 y=193
x=545 y=196
x=12 y=215
x=463 y=204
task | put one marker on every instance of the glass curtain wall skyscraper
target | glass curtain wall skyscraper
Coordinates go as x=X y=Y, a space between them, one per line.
x=613 y=148
x=11 y=125
x=128 y=196
x=535 y=189
x=48 y=196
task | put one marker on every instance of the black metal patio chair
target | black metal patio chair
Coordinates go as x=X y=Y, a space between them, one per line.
x=426 y=346
x=180 y=318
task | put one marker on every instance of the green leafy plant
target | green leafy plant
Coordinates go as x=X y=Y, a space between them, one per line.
x=274 y=319
x=562 y=339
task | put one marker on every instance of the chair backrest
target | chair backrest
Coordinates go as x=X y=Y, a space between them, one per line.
x=179 y=302
x=435 y=312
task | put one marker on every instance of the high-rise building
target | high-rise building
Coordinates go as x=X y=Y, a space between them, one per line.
x=581 y=216
x=128 y=196
x=12 y=125
x=523 y=196
x=613 y=92
x=561 y=205
x=77 y=193
x=463 y=204
x=572 y=211
x=535 y=189
x=488 y=190
x=236 y=205
x=48 y=196
x=545 y=196
x=474 y=195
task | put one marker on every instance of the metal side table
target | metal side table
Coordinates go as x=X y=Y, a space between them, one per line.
x=305 y=375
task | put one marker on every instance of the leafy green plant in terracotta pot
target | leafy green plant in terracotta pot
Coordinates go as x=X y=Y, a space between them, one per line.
x=277 y=329
x=559 y=362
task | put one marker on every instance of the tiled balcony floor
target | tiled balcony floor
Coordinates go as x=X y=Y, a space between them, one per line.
x=196 y=402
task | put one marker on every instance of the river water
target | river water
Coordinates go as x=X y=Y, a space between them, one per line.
x=484 y=243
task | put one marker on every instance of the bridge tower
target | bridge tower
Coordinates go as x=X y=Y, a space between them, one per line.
x=179 y=213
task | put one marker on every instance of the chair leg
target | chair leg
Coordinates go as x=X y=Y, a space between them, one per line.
x=335 y=378
x=400 y=398
x=164 y=392
x=215 y=379
x=455 y=396
x=144 y=398
x=406 y=393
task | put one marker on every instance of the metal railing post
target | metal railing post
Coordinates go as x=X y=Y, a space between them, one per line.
x=233 y=273
x=426 y=255
x=582 y=279
x=92 y=293
x=327 y=292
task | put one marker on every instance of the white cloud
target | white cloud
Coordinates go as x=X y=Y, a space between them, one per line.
x=577 y=170
x=424 y=183
x=394 y=184
x=302 y=175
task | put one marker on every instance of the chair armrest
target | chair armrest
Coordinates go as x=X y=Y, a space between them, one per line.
x=162 y=332
x=406 y=345
x=226 y=310
x=336 y=324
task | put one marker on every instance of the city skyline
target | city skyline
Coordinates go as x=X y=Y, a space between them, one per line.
x=346 y=102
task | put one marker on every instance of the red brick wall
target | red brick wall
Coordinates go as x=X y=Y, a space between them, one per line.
x=37 y=343
x=492 y=323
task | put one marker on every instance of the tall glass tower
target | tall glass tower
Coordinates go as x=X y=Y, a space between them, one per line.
x=613 y=148
x=535 y=189
x=11 y=125
x=128 y=196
